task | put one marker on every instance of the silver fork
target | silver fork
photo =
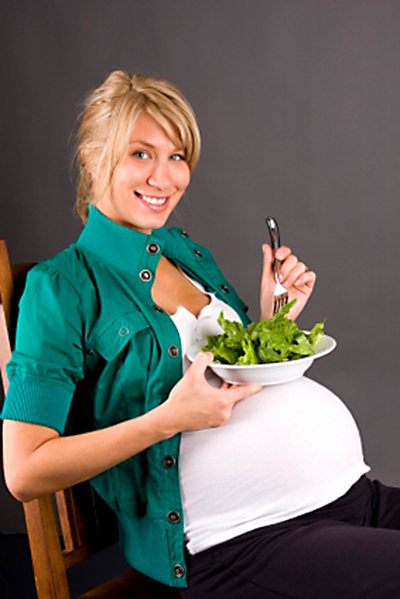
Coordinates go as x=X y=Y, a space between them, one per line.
x=281 y=296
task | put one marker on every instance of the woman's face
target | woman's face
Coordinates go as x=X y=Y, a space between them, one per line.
x=149 y=180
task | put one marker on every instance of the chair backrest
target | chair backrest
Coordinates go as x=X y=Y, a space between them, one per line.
x=74 y=524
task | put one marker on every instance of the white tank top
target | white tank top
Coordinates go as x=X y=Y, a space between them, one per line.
x=285 y=451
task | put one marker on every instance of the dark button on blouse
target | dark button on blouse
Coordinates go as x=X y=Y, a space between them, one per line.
x=179 y=571
x=225 y=289
x=158 y=309
x=173 y=351
x=168 y=462
x=198 y=253
x=173 y=517
x=145 y=275
x=184 y=234
x=153 y=248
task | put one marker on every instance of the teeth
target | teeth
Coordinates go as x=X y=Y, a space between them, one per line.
x=154 y=201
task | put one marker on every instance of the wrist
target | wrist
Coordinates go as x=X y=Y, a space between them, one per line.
x=162 y=422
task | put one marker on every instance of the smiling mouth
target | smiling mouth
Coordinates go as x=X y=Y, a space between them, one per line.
x=153 y=201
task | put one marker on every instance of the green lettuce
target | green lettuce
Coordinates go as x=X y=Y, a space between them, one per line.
x=263 y=342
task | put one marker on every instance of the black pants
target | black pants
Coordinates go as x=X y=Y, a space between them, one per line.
x=349 y=549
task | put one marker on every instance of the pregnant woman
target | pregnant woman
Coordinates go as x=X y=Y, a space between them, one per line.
x=220 y=490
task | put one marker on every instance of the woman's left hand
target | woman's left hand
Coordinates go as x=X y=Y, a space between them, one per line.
x=295 y=277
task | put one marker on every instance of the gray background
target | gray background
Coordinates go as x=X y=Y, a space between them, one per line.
x=298 y=103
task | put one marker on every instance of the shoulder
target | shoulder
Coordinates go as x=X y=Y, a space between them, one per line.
x=179 y=235
x=182 y=239
x=59 y=293
x=60 y=286
x=67 y=268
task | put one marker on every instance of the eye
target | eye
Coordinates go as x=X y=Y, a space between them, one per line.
x=141 y=154
x=177 y=157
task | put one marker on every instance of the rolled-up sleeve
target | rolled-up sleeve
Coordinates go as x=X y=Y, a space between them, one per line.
x=47 y=362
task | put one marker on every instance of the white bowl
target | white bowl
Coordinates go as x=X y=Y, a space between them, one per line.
x=266 y=374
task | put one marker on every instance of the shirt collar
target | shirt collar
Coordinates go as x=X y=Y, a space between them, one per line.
x=118 y=245
x=121 y=246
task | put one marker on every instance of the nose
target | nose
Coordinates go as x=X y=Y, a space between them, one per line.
x=159 y=176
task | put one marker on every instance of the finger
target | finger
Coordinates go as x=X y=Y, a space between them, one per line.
x=287 y=269
x=267 y=283
x=239 y=392
x=282 y=253
x=307 y=278
x=202 y=360
x=293 y=274
x=268 y=258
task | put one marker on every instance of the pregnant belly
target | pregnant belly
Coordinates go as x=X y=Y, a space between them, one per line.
x=287 y=449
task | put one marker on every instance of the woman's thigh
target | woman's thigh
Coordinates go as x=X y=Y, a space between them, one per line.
x=322 y=560
x=385 y=506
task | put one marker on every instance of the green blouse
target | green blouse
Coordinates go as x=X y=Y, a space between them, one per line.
x=93 y=349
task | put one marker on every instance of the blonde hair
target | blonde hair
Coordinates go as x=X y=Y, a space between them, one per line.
x=107 y=120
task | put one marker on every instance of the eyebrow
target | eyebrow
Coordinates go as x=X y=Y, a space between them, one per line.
x=141 y=142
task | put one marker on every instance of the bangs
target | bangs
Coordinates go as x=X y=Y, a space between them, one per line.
x=177 y=128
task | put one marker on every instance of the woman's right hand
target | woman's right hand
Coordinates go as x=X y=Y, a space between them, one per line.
x=38 y=460
x=194 y=404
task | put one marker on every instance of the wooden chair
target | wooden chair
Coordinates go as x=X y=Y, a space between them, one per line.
x=68 y=528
